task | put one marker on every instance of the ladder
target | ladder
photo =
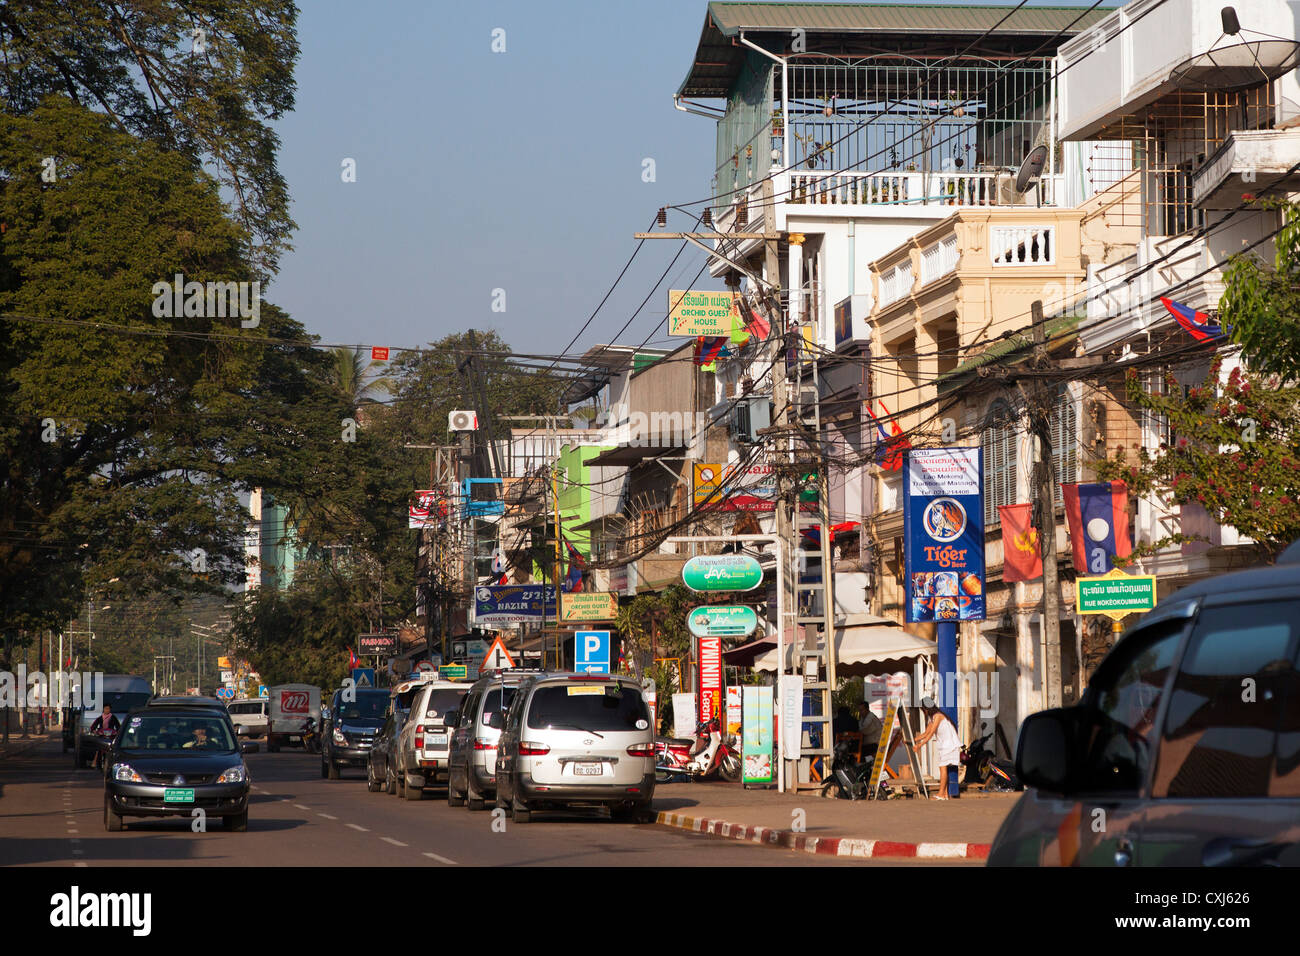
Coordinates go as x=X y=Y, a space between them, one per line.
x=814 y=619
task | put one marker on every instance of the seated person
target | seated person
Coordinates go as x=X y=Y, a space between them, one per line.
x=843 y=723
x=870 y=726
x=200 y=740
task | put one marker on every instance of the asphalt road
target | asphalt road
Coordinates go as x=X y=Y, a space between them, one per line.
x=52 y=815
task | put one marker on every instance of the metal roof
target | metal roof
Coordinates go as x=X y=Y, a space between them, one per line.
x=719 y=56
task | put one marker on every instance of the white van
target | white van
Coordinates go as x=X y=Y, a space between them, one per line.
x=291 y=706
x=250 y=716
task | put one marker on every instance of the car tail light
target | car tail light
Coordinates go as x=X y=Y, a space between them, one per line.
x=419 y=737
x=529 y=749
x=485 y=743
x=641 y=750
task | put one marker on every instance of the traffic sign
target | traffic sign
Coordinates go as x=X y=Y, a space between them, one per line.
x=425 y=667
x=453 y=671
x=591 y=652
x=1115 y=594
x=363 y=677
x=497 y=657
x=226 y=693
x=262 y=691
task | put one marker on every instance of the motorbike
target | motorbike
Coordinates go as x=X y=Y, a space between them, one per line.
x=702 y=757
x=310 y=739
x=982 y=767
x=849 y=780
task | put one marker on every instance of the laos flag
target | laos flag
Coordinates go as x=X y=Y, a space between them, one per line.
x=1097 y=515
x=1196 y=324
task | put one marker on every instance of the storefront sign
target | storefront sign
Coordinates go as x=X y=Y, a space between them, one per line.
x=709 y=655
x=588 y=606
x=722 y=620
x=756 y=740
x=943 y=534
x=1115 y=594
x=722 y=572
x=513 y=603
x=693 y=312
x=731 y=489
x=376 y=644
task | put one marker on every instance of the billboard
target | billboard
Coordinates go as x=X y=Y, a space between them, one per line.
x=693 y=312
x=709 y=655
x=513 y=603
x=943 y=534
x=750 y=489
x=426 y=509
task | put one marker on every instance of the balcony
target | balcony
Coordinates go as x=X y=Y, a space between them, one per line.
x=1250 y=161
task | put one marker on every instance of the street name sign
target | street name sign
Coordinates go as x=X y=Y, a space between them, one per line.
x=1115 y=594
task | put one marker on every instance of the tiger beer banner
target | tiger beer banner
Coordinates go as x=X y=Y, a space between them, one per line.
x=943 y=534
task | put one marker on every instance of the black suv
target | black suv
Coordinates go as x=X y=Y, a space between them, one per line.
x=348 y=733
x=1185 y=748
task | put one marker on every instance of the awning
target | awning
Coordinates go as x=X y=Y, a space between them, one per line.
x=862 y=649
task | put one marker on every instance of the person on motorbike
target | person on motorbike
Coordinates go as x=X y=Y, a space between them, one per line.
x=105 y=725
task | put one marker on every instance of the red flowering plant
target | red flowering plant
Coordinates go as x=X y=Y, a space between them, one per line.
x=1237 y=455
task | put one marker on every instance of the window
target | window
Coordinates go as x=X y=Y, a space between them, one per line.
x=1231 y=730
x=606 y=707
x=999 y=444
x=1065 y=443
x=1125 y=696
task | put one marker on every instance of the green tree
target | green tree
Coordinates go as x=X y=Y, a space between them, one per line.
x=1261 y=306
x=353 y=378
x=203 y=81
x=1236 y=455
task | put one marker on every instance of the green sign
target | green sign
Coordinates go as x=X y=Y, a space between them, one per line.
x=722 y=572
x=178 y=795
x=1115 y=594
x=756 y=736
x=453 y=671
x=728 y=620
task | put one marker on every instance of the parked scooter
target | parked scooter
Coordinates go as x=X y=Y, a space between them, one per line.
x=982 y=767
x=310 y=738
x=848 y=780
x=707 y=754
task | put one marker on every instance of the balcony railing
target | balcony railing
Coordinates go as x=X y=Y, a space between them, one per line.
x=826 y=187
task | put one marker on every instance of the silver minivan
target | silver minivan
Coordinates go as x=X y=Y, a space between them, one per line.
x=425 y=738
x=472 y=766
x=576 y=740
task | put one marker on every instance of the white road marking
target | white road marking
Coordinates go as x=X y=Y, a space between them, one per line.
x=441 y=859
x=79 y=863
x=326 y=816
x=394 y=842
x=355 y=827
x=301 y=807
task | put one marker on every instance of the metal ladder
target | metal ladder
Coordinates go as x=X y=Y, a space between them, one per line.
x=813 y=654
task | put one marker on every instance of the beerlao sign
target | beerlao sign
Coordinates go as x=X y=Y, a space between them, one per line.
x=694 y=312
x=588 y=606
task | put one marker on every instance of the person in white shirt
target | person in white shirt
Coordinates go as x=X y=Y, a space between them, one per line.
x=870 y=726
x=940 y=727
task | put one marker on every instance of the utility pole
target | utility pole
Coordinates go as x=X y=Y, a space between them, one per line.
x=1040 y=407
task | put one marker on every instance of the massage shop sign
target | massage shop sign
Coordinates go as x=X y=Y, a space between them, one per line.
x=943 y=534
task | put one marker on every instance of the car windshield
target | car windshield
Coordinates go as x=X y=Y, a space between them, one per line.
x=121 y=702
x=598 y=707
x=176 y=732
x=365 y=707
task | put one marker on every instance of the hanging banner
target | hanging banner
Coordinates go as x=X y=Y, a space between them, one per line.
x=684 y=722
x=791 y=687
x=426 y=509
x=943 y=534
x=709 y=654
x=756 y=741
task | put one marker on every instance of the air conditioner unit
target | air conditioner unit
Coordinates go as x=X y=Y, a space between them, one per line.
x=462 y=421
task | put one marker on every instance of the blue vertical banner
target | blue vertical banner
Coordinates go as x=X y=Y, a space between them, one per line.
x=943 y=534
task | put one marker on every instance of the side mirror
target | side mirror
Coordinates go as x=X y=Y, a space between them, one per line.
x=1045 y=753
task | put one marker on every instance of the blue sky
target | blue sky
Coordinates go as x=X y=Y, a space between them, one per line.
x=478 y=170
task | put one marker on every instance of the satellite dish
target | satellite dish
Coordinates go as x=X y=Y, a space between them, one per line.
x=1031 y=169
x=1237 y=66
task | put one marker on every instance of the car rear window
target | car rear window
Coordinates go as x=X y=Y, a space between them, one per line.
x=442 y=700
x=1233 y=724
x=365 y=707
x=492 y=702
x=579 y=706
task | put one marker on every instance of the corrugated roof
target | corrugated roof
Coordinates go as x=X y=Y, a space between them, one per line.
x=1017 y=345
x=718 y=57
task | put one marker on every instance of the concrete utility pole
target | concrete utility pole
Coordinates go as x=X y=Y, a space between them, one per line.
x=1040 y=407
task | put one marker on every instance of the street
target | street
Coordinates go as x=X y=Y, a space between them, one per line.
x=52 y=815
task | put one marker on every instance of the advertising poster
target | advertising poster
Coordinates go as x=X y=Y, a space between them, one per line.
x=684 y=721
x=943 y=534
x=791 y=688
x=709 y=654
x=735 y=709
x=756 y=741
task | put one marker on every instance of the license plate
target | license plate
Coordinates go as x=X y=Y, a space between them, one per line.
x=439 y=740
x=178 y=795
x=588 y=769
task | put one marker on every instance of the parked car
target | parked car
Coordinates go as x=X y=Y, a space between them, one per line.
x=171 y=760
x=381 y=768
x=122 y=692
x=251 y=716
x=425 y=740
x=472 y=759
x=349 y=733
x=1184 y=749
x=576 y=740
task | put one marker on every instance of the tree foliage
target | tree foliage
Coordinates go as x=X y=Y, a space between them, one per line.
x=1236 y=454
x=1261 y=306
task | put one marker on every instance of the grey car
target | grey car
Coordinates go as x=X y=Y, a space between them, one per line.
x=425 y=739
x=1185 y=749
x=576 y=740
x=472 y=761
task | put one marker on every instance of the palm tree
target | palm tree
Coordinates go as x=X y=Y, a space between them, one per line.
x=350 y=372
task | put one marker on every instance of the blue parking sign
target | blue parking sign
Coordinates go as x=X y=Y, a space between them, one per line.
x=591 y=652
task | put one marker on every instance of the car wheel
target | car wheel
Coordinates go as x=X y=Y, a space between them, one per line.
x=333 y=769
x=473 y=798
x=112 y=821
x=455 y=798
x=520 y=811
x=373 y=785
x=390 y=781
x=237 y=823
x=410 y=791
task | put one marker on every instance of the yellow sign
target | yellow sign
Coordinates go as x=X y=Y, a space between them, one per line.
x=692 y=312
x=586 y=690
x=223 y=663
x=882 y=745
x=588 y=606
x=708 y=479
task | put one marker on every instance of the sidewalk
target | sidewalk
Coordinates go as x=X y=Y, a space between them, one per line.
x=957 y=829
x=19 y=745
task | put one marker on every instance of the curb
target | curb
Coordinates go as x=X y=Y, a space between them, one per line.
x=826 y=846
